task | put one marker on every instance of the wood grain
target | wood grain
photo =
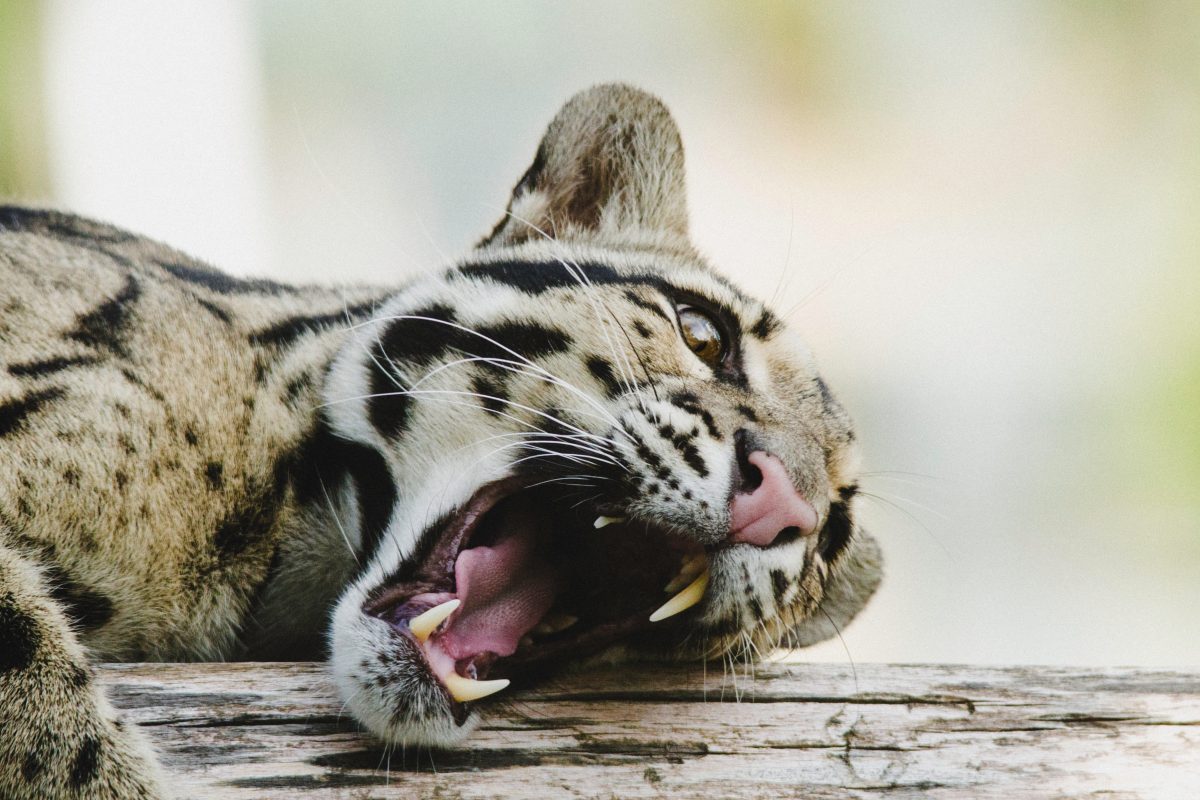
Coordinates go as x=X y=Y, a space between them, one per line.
x=253 y=730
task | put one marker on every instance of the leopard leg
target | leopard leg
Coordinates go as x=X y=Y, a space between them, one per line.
x=60 y=737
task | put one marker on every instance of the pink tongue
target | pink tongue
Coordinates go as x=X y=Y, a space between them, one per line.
x=505 y=589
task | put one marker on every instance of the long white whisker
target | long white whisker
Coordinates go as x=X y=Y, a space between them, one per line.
x=336 y=520
x=575 y=457
x=518 y=368
x=568 y=439
x=506 y=401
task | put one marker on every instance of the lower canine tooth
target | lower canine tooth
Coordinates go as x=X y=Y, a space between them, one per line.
x=554 y=622
x=426 y=623
x=678 y=582
x=464 y=690
x=604 y=522
x=691 y=595
x=687 y=573
x=689 y=568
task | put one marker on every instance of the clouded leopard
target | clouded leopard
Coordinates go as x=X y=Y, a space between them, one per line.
x=578 y=441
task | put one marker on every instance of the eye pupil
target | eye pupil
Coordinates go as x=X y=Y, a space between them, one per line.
x=701 y=334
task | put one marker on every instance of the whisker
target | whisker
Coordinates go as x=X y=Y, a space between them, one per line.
x=913 y=517
x=336 y=520
x=518 y=356
x=580 y=276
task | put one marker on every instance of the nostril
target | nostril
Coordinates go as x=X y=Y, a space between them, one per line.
x=751 y=476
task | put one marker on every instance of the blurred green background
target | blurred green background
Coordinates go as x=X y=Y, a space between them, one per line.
x=985 y=217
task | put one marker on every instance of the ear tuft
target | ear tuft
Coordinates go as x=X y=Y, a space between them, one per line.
x=610 y=164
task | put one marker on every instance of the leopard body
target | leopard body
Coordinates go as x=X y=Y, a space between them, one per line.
x=199 y=467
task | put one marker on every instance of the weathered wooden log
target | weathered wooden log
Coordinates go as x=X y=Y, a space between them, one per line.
x=251 y=730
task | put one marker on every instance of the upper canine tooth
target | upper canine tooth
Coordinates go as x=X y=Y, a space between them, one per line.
x=426 y=622
x=691 y=595
x=465 y=690
x=604 y=522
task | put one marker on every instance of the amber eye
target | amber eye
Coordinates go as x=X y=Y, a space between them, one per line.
x=701 y=334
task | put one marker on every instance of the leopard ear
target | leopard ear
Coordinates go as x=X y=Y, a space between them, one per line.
x=610 y=165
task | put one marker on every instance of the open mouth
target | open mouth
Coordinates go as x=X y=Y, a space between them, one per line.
x=523 y=580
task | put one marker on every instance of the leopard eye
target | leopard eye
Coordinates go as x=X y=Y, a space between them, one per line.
x=702 y=334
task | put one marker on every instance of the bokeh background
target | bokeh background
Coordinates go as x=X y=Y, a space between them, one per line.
x=985 y=217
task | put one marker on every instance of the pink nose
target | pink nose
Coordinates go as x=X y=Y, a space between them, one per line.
x=758 y=516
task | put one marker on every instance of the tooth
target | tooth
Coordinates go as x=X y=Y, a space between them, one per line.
x=691 y=595
x=426 y=622
x=554 y=622
x=604 y=522
x=679 y=581
x=464 y=690
x=689 y=568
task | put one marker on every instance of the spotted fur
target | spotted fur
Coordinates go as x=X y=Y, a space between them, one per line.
x=202 y=467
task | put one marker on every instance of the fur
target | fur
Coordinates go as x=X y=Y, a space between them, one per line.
x=196 y=467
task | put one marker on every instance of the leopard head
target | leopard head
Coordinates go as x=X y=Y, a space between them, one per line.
x=595 y=446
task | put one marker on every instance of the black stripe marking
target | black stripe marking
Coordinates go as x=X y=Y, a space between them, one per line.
x=215 y=310
x=690 y=403
x=691 y=455
x=87 y=607
x=526 y=184
x=405 y=341
x=251 y=522
x=836 y=534
x=214 y=471
x=78 y=230
x=756 y=608
x=412 y=567
x=781 y=583
x=602 y=370
x=786 y=536
x=536 y=277
x=286 y=331
x=495 y=393
x=87 y=762
x=419 y=342
x=642 y=303
x=132 y=377
x=217 y=281
x=80 y=676
x=322 y=463
x=296 y=386
x=649 y=457
x=49 y=366
x=20 y=636
x=104 y=326
x=766 y=325
x=827 y=398
x=16 y=218
x=14 y=412
x=529 y=340
x=31 y=767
